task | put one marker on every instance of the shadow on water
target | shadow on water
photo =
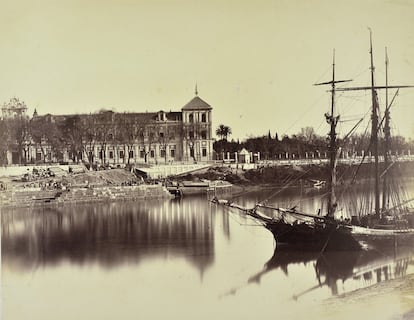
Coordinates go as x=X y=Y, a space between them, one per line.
x=109 y=234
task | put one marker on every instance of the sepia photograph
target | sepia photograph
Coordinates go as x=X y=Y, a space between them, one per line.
x=190 y=159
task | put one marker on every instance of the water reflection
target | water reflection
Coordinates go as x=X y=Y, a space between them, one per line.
x=109 y=234
x=127 y=259
x=341 y=271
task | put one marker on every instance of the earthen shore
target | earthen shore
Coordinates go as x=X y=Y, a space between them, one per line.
x=90 y=186
x=387 y=300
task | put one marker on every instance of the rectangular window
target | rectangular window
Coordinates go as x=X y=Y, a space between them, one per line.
x=162 y=153
x=203 y=118
x=191 y=134
x=172 y=153
x=121 y=154
x=38 y=156
x=131 y=154
x=192 y=152
x=80 y=155
x=204 y=152
x=111 y=154
x=204 y=134
x=152 y=153
x=141 y=153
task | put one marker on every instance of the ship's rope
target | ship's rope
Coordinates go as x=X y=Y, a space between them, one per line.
x=347 y=188
x=284 y=187
x=286 y=180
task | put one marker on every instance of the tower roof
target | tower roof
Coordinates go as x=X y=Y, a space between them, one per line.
x=197 y=104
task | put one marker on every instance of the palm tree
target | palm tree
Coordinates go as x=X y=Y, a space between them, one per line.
x=223 y=131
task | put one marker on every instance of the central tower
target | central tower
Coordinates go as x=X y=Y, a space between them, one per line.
x=197 y=135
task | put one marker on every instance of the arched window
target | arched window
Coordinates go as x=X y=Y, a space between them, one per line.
x=191 y=118
x=203 y=118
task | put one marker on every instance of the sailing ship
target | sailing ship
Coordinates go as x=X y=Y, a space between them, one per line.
x=385 y=226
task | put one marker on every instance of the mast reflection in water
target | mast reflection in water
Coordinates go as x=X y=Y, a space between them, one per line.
x=187 y=259
x=342 y=271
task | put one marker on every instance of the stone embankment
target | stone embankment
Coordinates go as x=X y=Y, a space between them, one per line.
x=37 y=197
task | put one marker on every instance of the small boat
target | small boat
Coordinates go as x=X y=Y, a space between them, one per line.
x=318 y=184
x=385 y=225
x=178 y=189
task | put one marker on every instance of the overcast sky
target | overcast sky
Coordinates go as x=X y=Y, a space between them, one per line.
x=254 y=61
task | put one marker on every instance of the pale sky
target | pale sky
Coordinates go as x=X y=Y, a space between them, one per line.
x=254 y=61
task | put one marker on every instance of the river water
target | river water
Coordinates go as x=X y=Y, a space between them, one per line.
x=172 y=259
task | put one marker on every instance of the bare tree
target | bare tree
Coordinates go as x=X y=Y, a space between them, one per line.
x=166 y=134
x=19 y=137
x=91 y=136
x=44 y=134
x=129 y=130
x=4 y=141
x=192 y=132
x=72 y=136
x=105 y=130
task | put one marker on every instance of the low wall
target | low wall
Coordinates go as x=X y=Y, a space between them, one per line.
x=162 y=171
x=28 y=198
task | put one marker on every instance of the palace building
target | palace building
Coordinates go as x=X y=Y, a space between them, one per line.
x=14 y=108
x=112 y=138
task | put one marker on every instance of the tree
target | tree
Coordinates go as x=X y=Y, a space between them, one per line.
x=308 y=134
x=72 y=135
x=223 y=131
x=4 y=141
x=124 y=133
x=91 y=135
x=45 y=135
x=19 y=137
x=105 y=131
x=149 y=138
x=166 y=134
x=191 y=132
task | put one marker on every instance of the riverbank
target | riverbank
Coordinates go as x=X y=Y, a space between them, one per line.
x=46 y=189
x=54 y=185
x=267 y=175
x=36 y=197
x=387 y=300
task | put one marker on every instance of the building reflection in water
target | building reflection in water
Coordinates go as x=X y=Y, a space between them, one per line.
x=109 y=234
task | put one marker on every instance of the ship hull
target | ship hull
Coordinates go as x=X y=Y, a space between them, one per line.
x=336 y=236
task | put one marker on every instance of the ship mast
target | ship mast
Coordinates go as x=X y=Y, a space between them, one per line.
x=332 y=119
x=387 y=142
x=375 y=123
x=374 y=130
